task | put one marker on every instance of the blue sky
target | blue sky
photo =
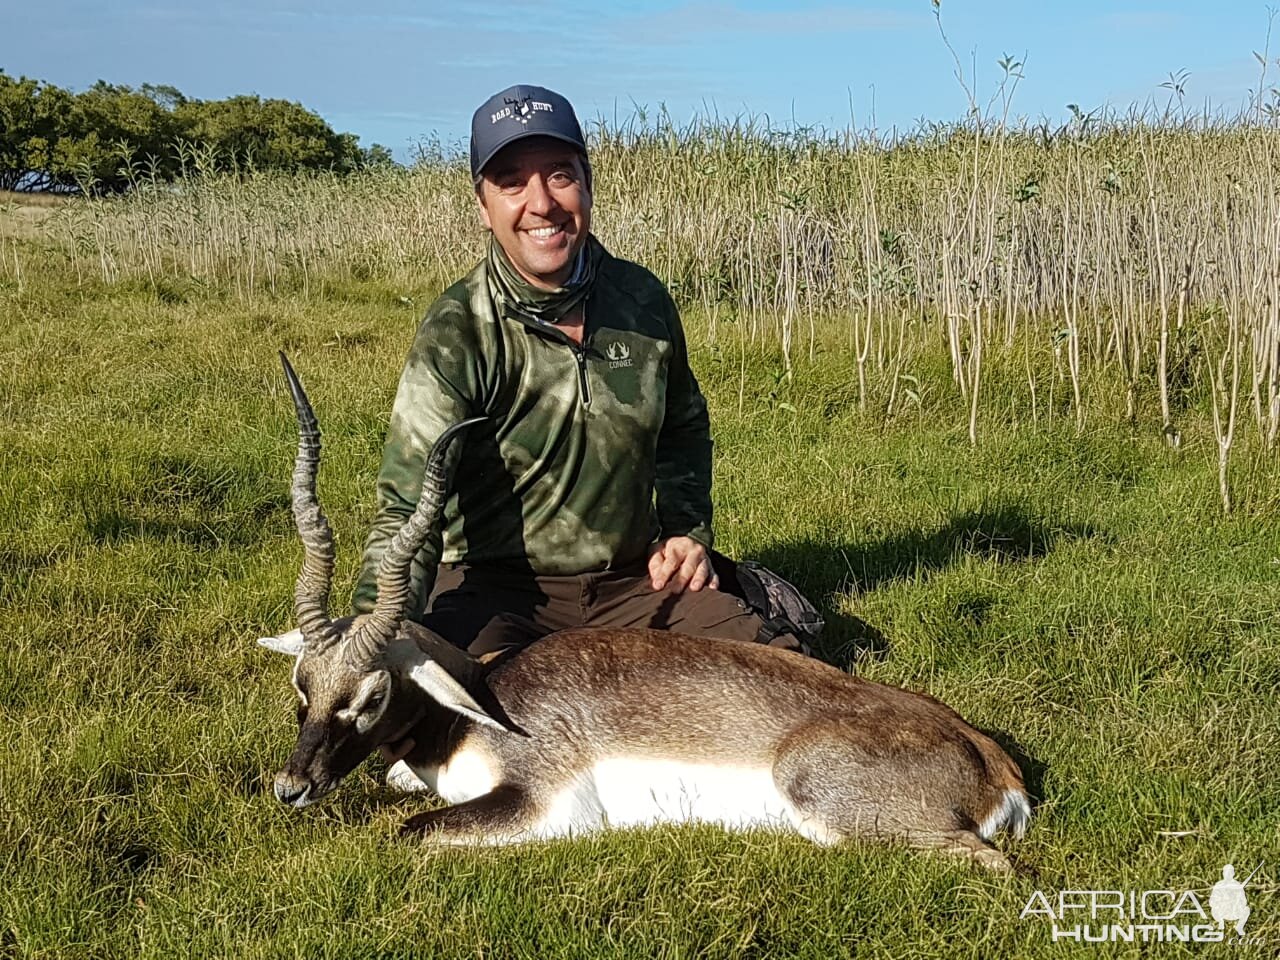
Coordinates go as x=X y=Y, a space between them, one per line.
x=392 y=71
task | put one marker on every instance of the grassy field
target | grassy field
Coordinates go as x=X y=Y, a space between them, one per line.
x=1081 y=596
x=21 y=214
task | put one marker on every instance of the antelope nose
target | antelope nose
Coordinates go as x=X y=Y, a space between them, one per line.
x=292 y=790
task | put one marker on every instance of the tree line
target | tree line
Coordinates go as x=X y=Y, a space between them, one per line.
x=101 y=139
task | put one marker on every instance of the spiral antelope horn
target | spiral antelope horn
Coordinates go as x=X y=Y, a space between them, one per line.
x=311 y=593
x=367 y=642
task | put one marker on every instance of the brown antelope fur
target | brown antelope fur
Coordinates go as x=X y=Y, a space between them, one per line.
x=587 y=729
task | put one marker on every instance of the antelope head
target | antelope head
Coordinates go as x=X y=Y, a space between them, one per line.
x=367 y=680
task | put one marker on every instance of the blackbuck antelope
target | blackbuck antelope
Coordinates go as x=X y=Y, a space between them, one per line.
x=588 y=729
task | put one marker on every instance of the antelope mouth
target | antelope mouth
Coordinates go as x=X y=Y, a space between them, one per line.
x=289 y=793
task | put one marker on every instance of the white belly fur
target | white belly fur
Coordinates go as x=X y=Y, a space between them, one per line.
x=468 y=774
x=631 y=792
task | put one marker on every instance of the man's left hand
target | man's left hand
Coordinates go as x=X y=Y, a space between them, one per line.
x=392 y=752
x=680 y=563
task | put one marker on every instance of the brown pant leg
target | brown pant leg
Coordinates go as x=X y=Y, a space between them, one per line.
x=625 y=599
x=486 y=612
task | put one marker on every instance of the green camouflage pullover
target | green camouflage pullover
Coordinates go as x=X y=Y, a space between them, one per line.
x=589 y=453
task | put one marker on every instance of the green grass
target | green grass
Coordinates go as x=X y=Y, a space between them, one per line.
x=1082 y=597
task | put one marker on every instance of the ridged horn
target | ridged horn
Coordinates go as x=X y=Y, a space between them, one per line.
x=365 y=645
x=311 y=593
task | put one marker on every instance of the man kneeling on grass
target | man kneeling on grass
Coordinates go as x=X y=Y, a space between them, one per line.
x=585 y=497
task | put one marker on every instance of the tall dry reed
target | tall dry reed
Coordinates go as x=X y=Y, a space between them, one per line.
x=1136 y=246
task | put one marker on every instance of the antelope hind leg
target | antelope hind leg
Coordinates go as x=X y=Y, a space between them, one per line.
x=964 y=844
x=839 y=790
x=505 y=814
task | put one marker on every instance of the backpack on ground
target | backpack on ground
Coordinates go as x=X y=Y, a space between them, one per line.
x=782 y=607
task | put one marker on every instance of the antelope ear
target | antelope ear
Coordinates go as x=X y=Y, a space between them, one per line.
x=289 y=643
x=441 y=687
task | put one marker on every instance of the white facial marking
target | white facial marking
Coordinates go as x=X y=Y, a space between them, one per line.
x=293 y=678
x=369 y=703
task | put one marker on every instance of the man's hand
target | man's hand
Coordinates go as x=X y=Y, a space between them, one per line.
x=679 y=563
x=391 y=752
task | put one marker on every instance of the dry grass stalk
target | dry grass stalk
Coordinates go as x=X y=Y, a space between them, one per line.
x=1098 y=250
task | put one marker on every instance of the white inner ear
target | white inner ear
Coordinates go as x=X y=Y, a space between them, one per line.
x=448 y=692
x=293 y=678
x=290 y=643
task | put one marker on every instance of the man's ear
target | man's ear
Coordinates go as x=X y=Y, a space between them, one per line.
x=290 y=643
x=484 y=211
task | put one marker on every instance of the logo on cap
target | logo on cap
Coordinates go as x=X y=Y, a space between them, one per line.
x=521 y=108
x=529 y=111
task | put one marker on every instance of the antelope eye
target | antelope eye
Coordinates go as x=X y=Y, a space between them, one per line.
x=374 y=702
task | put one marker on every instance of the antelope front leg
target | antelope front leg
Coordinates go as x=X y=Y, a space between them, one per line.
x=505 y=814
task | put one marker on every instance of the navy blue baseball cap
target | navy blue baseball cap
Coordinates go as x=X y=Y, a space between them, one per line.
x=518 y=112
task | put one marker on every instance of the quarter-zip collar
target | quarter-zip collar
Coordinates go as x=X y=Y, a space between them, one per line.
x=515 y=296
x=581 y=351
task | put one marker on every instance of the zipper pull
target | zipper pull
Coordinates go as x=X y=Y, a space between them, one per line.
x=584 y=386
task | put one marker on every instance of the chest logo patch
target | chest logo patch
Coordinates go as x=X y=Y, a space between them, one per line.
x=619 y=355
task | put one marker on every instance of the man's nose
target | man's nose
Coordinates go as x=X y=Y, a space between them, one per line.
x=537 y=198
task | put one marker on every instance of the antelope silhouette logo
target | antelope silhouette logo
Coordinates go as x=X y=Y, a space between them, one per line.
x=619 y=355
x=521 y=108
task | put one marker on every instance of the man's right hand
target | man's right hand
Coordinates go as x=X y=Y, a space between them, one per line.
x=681 y=563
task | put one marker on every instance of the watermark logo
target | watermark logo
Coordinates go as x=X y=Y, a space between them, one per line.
x=1146 y=916
x=619 y=355
x=1227 y=900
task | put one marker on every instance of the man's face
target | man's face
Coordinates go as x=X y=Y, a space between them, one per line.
x=533 y=196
